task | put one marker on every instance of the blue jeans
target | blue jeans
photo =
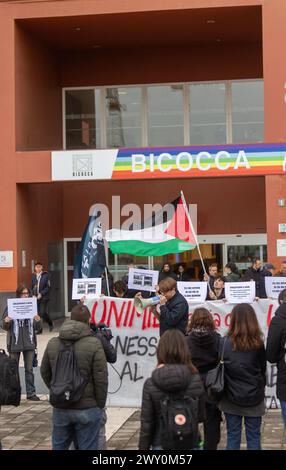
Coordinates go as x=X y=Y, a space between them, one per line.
x=252 y=431
x=29 y=374
x=81 y=425
x=283 y=411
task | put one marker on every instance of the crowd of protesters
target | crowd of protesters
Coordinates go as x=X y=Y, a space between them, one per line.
x=188 y=349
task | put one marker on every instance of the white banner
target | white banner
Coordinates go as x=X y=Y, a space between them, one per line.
x=20 y=309
x=88 y=287
x=239 y=292
x=136 y=337
x=274 y=285
x=193 y=291
x=142 y=279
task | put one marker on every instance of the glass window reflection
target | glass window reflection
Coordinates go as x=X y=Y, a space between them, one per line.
x=247 y=111
x=123 y=114
x=166 y=115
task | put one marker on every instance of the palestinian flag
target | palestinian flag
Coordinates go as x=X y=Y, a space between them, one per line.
x=167 y=231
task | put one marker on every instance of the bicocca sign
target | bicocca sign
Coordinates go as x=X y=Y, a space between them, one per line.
x=169 y=162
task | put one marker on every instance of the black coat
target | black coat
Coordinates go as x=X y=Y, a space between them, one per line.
x=164 y=275
x=204 y=349
x=171 y=378
x=258 y=277
x=276 y=348
x=244 y=375
x=44 y=285
x=174 y=314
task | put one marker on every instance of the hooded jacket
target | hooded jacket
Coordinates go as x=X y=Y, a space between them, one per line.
x=168 y=379
x=276 y=348
x=204 y=348
x=91 y=361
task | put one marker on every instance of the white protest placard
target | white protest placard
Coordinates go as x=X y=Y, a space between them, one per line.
x=239 y=292
x=274 y=285
x=142 y=279
x=193 y=291
x=88 y=287
x=20 y=309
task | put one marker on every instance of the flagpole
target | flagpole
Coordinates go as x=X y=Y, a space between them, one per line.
x=107 y=282
x=193 y=230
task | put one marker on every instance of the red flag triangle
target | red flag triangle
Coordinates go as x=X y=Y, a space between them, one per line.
x=180 y=227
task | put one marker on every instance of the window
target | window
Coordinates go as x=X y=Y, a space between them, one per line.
x=82 y=123
x=123 y=114
x=210 y=113
x=247 y=111
x=207 y=114
x=165 y=115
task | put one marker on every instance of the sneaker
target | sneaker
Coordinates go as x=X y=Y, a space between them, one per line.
x=51 y=327
x=39 y=332
x=33 y=398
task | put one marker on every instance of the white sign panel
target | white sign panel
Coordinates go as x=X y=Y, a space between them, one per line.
x=142 y=279
x=239 y=292
x=281 y=247
x=193 y=291
x=6 y=259
x=88 y=287
x=274 y=285
x=136 y=338
x=83 y=164
x=20 y=309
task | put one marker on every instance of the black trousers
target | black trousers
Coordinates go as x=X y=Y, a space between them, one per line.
x=43 y=311
x=212 y=426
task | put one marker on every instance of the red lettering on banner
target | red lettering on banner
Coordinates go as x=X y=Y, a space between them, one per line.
x=93 y=311
x=127 y=313
x=227 y=319
x=217 y=319
x=113 y=311
x=269 y=315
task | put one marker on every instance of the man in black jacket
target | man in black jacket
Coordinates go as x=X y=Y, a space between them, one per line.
x=254 y=273
x=41 y=289
x=174 y=309
x=276 y=349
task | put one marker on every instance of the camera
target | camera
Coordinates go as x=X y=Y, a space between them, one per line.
x=103 y=329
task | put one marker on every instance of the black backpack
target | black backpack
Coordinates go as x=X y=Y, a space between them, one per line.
x=10 y=387
x=67 y=384
x=179 y=422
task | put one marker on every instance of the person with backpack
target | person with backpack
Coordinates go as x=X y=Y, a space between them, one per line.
x=276 y=350
x=244 y=378
x=171 y=401
x=21 y=338
x=74 y=369
x=204 y=343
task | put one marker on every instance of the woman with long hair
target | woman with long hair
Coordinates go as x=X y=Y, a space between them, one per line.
x=204 y=342
x=245 y=368
x=21 y=338
x=174 y=375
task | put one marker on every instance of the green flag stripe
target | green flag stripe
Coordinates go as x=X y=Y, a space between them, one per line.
x=139 y=248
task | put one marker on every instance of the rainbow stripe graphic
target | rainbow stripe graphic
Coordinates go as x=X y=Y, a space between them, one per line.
x=191 y=161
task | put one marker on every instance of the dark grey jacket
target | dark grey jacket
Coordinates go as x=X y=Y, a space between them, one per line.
x=171 y=378
x=90 y=358
x=174 y=314
x=24 y=340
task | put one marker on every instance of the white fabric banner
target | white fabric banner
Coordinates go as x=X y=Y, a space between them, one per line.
x=136 y=337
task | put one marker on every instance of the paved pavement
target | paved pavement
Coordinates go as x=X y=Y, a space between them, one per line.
x=28 y=427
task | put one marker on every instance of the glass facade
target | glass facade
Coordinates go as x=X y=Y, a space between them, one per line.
x=209 y=113
x=123 y=117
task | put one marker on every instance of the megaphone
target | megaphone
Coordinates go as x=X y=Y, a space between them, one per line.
x=141 y=304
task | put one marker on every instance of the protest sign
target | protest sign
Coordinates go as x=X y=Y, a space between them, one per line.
x=21 y=309
x=239 y=292
x=142 y=279
x=274 y=285
x=193 y=291
x=88 y=287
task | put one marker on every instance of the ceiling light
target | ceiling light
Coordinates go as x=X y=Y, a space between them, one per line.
x=77 y=28
x=96 y=46
x=210 y=21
